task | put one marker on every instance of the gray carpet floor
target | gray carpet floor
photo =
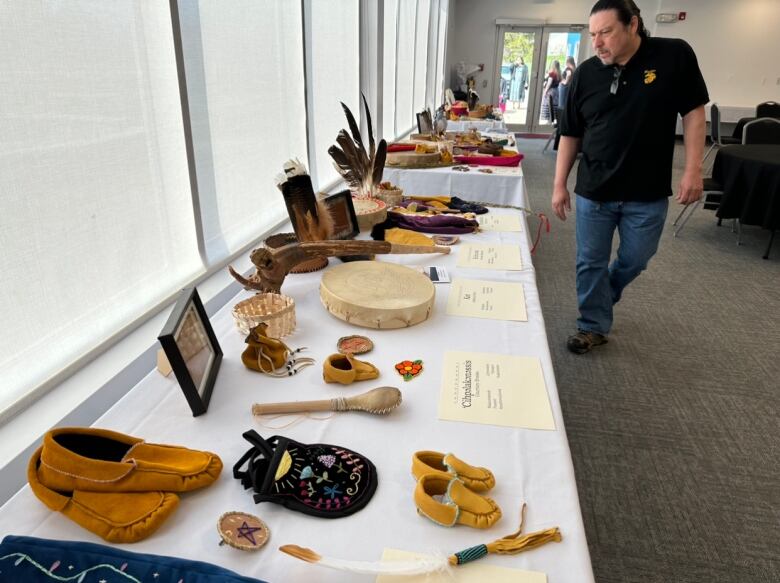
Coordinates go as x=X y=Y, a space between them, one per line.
x=674 y=425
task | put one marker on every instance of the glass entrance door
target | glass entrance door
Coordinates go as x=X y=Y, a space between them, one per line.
x=517 y=50
x=526 y=86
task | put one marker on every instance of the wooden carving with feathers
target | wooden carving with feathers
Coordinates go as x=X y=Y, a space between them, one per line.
x=361 y=169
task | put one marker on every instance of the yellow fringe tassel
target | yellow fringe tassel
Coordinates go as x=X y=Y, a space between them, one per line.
x=510 y=544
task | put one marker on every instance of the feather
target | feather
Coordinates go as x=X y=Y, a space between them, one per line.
x=361 y=169
x=344 y=167
x=291 y=168
x=355 y=154
x=379 y=162
x=353 y=127
x=368 y=125
x=510 y=544
x=419 y=566
x=327 y=225
x=314 y=229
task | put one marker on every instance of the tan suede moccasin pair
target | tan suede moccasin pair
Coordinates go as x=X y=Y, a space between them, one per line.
x=117 y=486
x=447 y=487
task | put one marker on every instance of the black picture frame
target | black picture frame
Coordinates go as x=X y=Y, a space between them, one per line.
x=192 y=349
x=342 y=212
x=424 y=122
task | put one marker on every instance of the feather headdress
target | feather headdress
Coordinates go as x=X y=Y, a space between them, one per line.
x=361 y=168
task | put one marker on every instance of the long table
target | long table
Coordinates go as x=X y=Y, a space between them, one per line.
x=465 y=124
x=501 y=186
x=530 y=466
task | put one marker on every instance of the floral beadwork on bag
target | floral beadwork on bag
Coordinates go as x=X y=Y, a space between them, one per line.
x=319 y=479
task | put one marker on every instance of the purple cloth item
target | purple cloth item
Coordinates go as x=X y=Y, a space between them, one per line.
x=438 y=224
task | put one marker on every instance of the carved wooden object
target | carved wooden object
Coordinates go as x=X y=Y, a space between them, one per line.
x=273 y=265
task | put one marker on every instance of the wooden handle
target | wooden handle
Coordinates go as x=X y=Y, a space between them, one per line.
x=292 y=407
x=398 y=248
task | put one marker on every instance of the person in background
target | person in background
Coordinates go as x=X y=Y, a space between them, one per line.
x=519 y=83
x=621 y=112
x=563 y=86
x=551 y=90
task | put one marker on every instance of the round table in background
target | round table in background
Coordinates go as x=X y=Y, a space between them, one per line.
x=750 y=176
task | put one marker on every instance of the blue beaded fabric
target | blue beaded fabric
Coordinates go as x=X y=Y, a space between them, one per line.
x=322 y=480
x=38 y=560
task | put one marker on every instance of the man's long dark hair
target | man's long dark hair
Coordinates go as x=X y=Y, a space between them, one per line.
x=625 y=10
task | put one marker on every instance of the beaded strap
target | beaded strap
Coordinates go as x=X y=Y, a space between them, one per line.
x=471 y=554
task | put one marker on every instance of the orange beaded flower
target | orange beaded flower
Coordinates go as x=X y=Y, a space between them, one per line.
x=409 y=368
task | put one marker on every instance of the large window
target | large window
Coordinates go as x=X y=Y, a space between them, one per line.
x=389 y=69
x=333 y=60
x=140 y=147
x=421 y=54
x=414 y=36
x=97 y=219
x=245 y=79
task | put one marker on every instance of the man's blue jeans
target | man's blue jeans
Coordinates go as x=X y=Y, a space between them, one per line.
x=599 y=284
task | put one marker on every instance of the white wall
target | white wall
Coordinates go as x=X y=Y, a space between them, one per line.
x=737 y=41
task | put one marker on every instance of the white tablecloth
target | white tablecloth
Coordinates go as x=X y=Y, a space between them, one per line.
x=503 y=186
x=482 y=125
x=530 y=466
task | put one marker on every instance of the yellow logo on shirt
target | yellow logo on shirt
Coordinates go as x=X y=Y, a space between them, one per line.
x=649 y=76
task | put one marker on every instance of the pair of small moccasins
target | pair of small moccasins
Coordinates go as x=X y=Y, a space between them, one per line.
x=447 y=491
x=117 y=486
x=346 y=369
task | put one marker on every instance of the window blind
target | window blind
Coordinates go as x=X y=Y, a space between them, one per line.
x=404 y=88
x=245 y=83
x=334 y=74
x=421 y=55
x=97 y=220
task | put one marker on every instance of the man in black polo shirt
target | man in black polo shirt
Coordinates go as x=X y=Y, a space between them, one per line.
x=622 y=113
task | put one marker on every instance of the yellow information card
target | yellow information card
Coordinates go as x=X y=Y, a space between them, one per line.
x=490 y=257
x=496 y=300
x=495 y=389
x=476 y=571
x=505 y=223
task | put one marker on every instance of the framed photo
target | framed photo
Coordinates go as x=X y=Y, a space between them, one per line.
x=424 y=122
x=342 y=211
x=192 y=350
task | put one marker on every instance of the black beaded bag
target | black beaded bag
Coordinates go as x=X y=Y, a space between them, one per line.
x=322 y=480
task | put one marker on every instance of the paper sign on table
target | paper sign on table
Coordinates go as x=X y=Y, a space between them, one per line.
x=505 y=223
x=435 y=273
x=476 y=571
x=495 y=300
x=495 y=389
x=490 y=257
